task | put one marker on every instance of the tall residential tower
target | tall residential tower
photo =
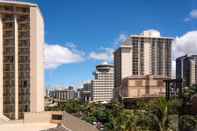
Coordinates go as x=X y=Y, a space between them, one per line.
x=144 y=54
x=21 y=59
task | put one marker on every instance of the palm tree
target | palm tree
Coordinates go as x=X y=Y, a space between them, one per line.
x=189 y=122
x=159 y=112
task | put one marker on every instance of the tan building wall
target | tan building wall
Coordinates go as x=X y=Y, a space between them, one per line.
x=147 y=59
x=37 y=60
x=21 y=59
x=142 y=86
x=1 y=66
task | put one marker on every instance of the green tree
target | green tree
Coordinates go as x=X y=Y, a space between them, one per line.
x=188 y=123
x=125 y=121
x=72 y=106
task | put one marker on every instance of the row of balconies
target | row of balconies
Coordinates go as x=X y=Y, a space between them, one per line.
x=8 y=33
x=9 y=85
x=23 y=51
x=24 y=59
x=24 y=43
x=23 y=107
x=8 y=43
x=10 y=36
x=8 y=59
x=24 y=76
x=7 y=26
x=9 y=50
x=24 y=101
x=22 y=18
x=9 y=97
x=23 y=34
x=13 y=9
x=9 y=108
x=8 y=74
x=9 y=91
x=24 y=92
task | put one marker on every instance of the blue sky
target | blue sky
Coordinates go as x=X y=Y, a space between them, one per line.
x=90 y=29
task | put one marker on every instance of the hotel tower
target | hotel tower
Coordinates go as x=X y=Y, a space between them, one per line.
x=142 y=55
x=21 y=59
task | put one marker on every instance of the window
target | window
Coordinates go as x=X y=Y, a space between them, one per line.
x=56 y=117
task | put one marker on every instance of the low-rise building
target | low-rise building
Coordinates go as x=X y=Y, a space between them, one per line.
x=85 y=93
x=62 y=94
x=142 y=86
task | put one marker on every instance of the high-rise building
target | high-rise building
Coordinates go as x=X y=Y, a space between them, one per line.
x=186 y=69
x=103 y=84
x=85 y=92
x=144 y=54
x=21 y=59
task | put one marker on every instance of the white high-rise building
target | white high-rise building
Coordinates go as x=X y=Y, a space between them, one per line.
x=144 y=54
x=103 y=84
x=21 y=59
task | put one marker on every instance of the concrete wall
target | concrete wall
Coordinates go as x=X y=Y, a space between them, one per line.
x=75 y=124
x=1 y=66
x=68 y=121
x=37 y=117
x=36 y=60
x=142 y=87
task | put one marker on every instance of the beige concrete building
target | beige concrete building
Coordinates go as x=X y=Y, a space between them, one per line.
x=62 y=94
x=144 y=54
x=142 y=86
x=103 y=84
x=21 y=59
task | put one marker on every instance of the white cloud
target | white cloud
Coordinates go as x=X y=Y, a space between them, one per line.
x=121 y=38
x=186 y=44
x=187 y=19
x=193 y=14
x=56 y=55
x=106 y=55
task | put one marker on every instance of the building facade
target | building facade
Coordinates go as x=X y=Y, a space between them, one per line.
x=21 y=59
x=142 y=86
x=85 y=92
x=144 y=54
x=103 y=84
x=186 y=69
x=62 y=94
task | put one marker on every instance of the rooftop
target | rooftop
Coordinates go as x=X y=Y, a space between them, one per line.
x=15 y=2
x=20 y=126
x=151 y=34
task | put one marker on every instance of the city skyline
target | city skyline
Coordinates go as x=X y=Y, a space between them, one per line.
x=85 y=40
